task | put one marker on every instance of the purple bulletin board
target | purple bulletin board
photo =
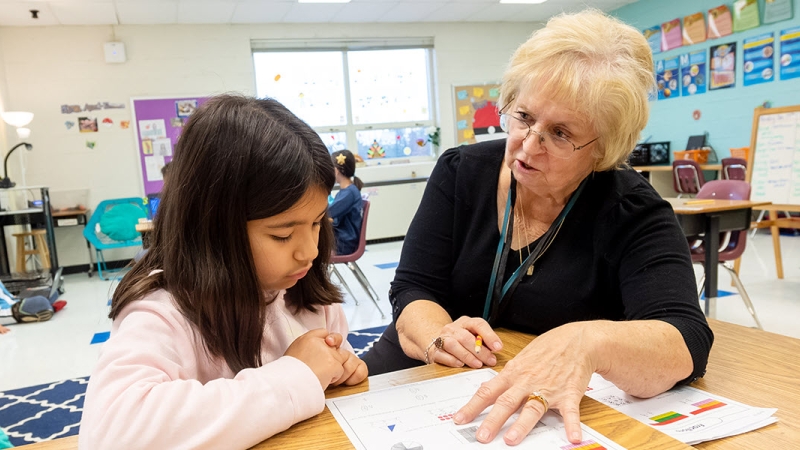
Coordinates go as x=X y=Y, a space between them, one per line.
x=158 y=123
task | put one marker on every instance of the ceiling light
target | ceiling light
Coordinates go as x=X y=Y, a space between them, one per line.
x=17 y=119
x=530 y=2
x=323 y=1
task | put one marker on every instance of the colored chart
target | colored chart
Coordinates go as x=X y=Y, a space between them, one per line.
x=585 y=445
x=667 y=418
x=706 y=405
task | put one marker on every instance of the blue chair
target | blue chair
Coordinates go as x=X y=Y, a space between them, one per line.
x=101 y=241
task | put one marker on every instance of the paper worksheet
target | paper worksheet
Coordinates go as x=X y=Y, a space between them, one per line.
x=419 y=416
x=685 y=413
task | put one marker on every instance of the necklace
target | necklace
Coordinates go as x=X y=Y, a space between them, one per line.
x=524 y=228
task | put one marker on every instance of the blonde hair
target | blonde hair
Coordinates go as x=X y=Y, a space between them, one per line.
x=598 y=66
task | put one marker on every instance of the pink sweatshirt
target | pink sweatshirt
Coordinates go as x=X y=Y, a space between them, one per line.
x=155 y=387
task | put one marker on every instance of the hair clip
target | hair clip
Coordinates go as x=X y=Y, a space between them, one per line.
x=340 y=159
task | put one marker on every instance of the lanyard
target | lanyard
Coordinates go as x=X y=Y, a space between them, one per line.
x=498 y=291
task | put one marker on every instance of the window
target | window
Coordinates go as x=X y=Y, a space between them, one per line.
x=375 y=100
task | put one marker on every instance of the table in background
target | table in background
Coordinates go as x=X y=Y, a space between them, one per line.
x=661 y=177
x=751 y=366
x=710 y=218
x=145 y=227
x=71 y=218
x=28 y=216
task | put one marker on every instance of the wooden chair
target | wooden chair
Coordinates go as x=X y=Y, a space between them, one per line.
x=38 y=247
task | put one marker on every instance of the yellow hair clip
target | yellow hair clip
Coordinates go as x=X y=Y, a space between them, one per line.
x=340 y=159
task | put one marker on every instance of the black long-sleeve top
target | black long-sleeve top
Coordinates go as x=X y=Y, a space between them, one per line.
x=620 y=254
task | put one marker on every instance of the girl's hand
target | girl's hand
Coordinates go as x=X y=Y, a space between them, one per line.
x=325 y=361
x=459 y=344
x=355 y=370
x=558 y=365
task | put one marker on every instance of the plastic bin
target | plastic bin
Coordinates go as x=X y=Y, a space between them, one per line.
x=741 y=152
x=699 y=156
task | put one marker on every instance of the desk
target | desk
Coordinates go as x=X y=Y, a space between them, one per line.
x=747 y=365
x=145 y=228
x=28 y=216
x=711 y=219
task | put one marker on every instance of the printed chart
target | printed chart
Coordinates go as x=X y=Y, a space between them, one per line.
x=419 y=416
x=685 y=413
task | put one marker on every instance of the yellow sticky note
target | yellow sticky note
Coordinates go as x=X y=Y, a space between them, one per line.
x=477 y=92
x=469 y=134
x=463 y=110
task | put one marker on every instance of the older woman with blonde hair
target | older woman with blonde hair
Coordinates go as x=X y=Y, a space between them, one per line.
x=550 y=232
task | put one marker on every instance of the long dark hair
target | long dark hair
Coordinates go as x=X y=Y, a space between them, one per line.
x=238 y=159
x=347 y=167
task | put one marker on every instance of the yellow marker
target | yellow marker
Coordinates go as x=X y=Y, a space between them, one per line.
x=699 y=202
x=478 y=343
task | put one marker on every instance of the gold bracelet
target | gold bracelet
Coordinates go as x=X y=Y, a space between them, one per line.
x=437 y=343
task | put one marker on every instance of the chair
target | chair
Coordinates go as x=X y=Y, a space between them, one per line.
x=687 y=176
x=351 y=259
x=101 y=241
x=734 y=169
x=732 y=243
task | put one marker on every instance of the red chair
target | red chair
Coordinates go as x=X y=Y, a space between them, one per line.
x=687 y=176
x=351 y=259
x=734 y=169
x=732 y=243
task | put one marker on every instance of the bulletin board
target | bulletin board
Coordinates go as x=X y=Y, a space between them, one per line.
x=158 y=123
x=477 y=118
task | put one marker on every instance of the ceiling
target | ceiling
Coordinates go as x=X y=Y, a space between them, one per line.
x=149 y=12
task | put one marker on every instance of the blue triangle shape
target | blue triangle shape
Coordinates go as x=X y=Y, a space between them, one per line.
x=391 y=427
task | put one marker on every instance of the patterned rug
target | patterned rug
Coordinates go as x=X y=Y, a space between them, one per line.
x=51 y=411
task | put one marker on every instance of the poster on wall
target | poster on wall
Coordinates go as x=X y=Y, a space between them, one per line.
x=723 y=66
x=477 y=118
x=745 y=15
x=653 y=36
x=790 y=53
x=758 y=56
x=694 y=29
x=155 y=140
x=693 y=73
x=667 y=78
x=671 y=35
x=777 y=10
x=719 y=22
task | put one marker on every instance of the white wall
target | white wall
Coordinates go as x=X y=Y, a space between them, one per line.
x=46 y=67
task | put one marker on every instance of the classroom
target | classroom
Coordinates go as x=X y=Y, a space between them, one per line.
x=410 y=103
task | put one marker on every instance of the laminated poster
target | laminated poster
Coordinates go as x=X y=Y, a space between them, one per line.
x=719 y=22
x=745 y=15
x=694 y=29
x=693 y=73
x=777 y=10
x=671 y=35
x=723 y=66
x=758 y=56
x=790 y=53
x=667 y=78
x=653 y=36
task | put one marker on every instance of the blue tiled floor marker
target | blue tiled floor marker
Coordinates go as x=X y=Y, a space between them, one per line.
x=390 y=265
x=99 y=338
x=720 y=293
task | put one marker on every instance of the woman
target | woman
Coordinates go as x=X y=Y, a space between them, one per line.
x=550 y=233
x=345 y=211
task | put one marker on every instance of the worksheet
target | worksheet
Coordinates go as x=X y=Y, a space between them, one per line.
x=685 y=413
x=419 y=416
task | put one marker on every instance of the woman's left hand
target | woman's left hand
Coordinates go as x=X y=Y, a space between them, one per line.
x=558 y=365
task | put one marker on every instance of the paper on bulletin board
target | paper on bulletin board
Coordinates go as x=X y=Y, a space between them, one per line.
x=694 y=29
x=153 y=165
x=723 y=66
x=653 y=36
x=758 y=56
x=671 y=35
x=667 y=78
x=790 y=53
x=745 y=15
x=477 y=118
x=152 y=129
x=693 y=73
x=162 y=147
x=777 y=10
x=719 y=22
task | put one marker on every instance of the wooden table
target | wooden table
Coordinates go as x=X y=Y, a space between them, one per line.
x=710 y=217
x=751 y=366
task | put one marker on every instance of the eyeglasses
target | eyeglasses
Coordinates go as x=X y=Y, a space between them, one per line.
x=556 y=145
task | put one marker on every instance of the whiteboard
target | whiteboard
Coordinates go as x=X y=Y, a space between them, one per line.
x=775 y=174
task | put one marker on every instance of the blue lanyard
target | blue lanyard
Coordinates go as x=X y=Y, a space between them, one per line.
x=491 y=310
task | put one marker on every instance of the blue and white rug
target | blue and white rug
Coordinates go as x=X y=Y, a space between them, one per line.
x=51 y=411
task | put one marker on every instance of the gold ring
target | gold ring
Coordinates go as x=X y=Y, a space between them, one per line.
x=536 y=395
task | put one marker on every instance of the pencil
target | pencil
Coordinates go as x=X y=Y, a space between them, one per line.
x=478 y=343
x=699 y=202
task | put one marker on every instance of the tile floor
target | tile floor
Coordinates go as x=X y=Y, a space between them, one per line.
x=61 y=348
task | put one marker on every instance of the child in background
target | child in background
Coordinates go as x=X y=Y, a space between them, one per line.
x=346 y=209
x=228 y=330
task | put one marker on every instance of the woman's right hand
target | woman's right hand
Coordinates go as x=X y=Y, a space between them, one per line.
x=325 y=361
x=459 y=344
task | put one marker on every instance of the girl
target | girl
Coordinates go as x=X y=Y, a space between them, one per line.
x=228 y=330
x=345 y=211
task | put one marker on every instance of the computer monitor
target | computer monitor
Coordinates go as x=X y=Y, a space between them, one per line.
x=152 y=205
x=696 y=142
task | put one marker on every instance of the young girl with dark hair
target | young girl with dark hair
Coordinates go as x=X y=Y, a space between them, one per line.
x=346 y=209
x=228 y=330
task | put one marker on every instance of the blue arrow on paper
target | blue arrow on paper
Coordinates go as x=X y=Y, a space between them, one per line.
x=391 y=427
